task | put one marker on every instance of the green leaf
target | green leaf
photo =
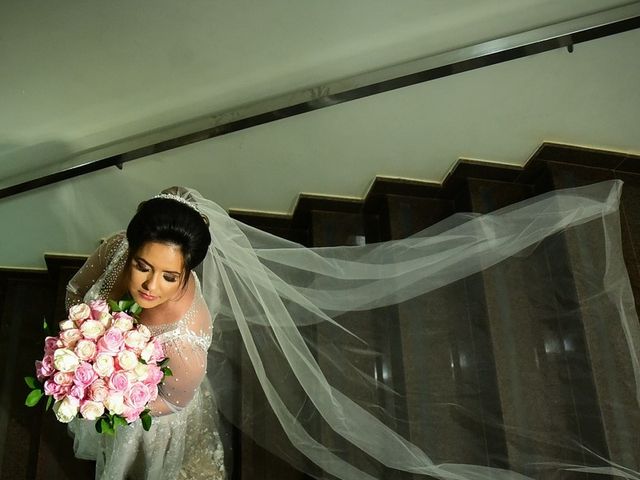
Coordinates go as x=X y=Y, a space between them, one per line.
x=146 y=421
x=163 y=362
x=113 y=305
x=106 y=427
x=33 y=398
x=135 y=309
x=141 y=360
x=49 y=403
x=32 y=382
x=167 y=372
x=99 y=426
x=119 y=421
x=45 y=325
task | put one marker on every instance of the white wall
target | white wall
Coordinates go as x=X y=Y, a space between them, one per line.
x=499 y=113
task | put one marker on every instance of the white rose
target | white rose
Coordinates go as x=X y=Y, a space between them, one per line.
x=141 y=371
x=115 y=403
x=70 y=337
x=106 y=319
x=91 y=410
x=103 y=364
x=92 y=329
x=145 y=332
x=85 y=349
x=66 y=325
x=65 y=360
x=147 y=352
x=135 y=340
x=66 y=409
x=80 y=312
x=127 y=360
x=123 y=323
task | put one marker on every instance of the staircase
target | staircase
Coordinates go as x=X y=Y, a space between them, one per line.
x=35 y=446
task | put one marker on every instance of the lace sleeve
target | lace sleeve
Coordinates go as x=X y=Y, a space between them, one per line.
x=186 y=348
x=92 y=270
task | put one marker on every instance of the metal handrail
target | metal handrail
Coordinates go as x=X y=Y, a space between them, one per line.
x=562 y=35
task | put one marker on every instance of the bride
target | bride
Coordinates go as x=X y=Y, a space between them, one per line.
x=293 y=326
x=153 y=262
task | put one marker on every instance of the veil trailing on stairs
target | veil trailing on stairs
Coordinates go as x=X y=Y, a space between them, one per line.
x=497 y=346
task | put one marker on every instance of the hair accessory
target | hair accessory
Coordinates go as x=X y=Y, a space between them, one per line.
x=178 y=198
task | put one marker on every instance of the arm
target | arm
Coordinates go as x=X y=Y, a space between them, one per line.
x=92 y=269
x=188 y=361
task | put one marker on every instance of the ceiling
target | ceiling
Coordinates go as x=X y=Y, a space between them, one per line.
x=81 y=80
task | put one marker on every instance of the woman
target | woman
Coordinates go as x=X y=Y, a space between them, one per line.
x=325 y=398
x=153 y=263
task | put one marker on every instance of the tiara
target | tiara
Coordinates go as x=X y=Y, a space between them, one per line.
x=177 y=198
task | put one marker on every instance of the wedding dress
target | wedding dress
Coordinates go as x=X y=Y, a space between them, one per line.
x=499 y=346
x=183 y=442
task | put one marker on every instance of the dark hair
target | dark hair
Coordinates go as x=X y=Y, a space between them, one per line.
x=164 y=220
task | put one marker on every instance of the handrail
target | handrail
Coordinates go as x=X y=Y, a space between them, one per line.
x=562 y=35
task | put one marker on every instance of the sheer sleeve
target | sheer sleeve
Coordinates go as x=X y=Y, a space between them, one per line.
x=93 y=269
x=186 y=347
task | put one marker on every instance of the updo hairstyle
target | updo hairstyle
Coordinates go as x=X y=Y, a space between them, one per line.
x=168 y=221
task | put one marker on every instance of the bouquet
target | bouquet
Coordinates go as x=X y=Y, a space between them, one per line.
x=102 y=366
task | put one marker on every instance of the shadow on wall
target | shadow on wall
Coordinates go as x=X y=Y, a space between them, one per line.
x=19 y=163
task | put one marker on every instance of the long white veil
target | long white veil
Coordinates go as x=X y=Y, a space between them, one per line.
x=498 y=346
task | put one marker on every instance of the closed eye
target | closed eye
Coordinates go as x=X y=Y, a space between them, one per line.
x=141 y=267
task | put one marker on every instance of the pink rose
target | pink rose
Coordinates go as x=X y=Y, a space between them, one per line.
x=84 y=375
x=85 y=349
x=111 y=342
x=98 y=307
x=137 y=396
x=153 y=352
x=70 y=337
x=77 y=392
x=79 y=313
x=92 y=329
x=98 y=391
x=45 y=368
x=64 y=379
x=119 y=381
x=51 y=387
x=153 y=391
x=158 y=352
x=154 y=375
x=50 y=345
x=131 y=414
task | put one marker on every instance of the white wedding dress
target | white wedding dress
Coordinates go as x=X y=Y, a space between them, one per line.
x=183 y=442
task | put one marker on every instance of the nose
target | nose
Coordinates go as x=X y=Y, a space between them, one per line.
x=150 y=282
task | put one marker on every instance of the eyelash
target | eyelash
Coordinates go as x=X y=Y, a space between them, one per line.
x=167 y=278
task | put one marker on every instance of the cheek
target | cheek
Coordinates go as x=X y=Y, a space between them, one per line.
x=134 y=278
x=171 y=288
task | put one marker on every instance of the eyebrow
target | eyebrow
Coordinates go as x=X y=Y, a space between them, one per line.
x=142 y=260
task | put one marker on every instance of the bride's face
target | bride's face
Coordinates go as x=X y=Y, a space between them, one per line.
x=156 y=274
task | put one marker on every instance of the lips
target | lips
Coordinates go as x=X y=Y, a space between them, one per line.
x=146 y=296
